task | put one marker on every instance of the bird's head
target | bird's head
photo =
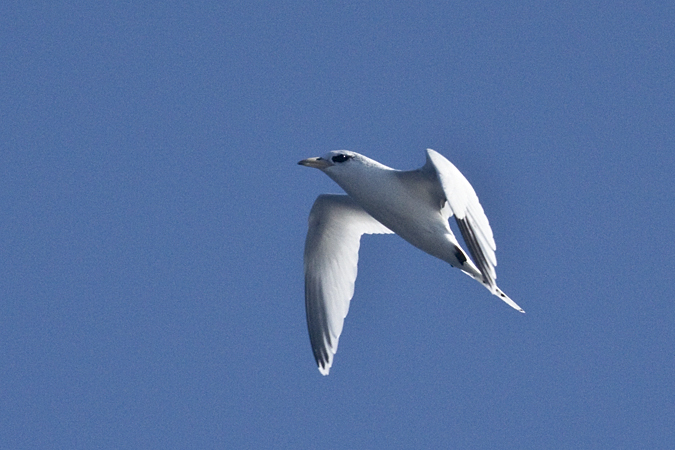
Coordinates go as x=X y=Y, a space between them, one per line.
x=334 y=161
x=348 y=169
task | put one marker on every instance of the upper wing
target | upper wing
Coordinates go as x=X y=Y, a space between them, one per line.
x=469 y=214
x=336 y=224
x=471 y=219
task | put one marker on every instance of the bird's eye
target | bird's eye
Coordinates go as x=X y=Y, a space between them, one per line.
x=340 y=158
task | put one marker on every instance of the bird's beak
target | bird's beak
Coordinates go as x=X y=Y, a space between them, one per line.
x=317 y=163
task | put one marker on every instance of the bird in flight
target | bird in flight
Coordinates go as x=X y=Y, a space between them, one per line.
x=414 y=204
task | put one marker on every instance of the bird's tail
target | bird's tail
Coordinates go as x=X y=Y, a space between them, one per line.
x=499 y=293
x=492 y=287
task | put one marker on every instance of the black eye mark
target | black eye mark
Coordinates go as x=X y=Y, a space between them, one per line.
x=340 y=158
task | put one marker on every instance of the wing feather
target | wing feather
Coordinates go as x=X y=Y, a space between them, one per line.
x=471 y=219
x=469 y=214
x=336 y=224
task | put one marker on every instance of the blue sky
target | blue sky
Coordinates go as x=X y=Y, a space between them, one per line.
x=152 y=223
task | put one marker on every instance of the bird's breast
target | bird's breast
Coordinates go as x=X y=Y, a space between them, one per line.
x=406 y=203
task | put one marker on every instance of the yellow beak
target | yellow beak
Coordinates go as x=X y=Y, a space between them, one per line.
x=317 y=163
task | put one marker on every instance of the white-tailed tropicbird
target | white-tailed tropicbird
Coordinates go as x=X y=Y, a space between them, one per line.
x=414 y=204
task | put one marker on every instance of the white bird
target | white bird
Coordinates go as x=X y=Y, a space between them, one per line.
x=414 y=204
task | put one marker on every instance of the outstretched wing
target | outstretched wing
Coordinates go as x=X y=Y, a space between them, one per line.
x=471 y=219
x=336 y=224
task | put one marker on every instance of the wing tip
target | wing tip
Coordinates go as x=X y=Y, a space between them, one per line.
x=324 y=369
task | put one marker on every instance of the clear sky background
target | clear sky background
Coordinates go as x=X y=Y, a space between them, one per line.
x=153 y=216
